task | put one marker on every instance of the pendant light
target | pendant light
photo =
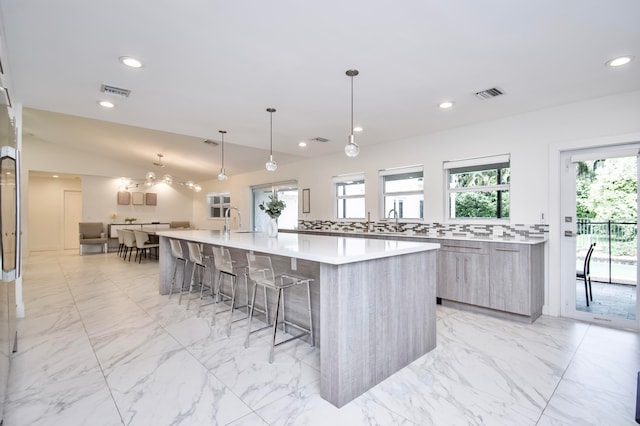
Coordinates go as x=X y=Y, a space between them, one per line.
x=271 y=165
x=352 y=149
x=222 y=175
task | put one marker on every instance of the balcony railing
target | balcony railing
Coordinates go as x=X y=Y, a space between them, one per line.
x=615 y=256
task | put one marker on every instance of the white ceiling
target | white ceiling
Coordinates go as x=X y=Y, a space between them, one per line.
x=213 y=65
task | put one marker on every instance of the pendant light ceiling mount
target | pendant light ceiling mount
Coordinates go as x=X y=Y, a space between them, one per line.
x=222 y=176
x=271 y=165
x=352 y=149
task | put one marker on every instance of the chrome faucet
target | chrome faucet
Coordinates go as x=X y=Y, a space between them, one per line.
x=395 y=214
x=226 y=230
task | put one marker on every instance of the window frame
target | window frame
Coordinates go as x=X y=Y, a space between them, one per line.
x=493 y=162
x=352 y=178
x=383 y=174
x=222 y=205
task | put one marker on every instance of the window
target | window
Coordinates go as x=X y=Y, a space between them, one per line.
x=218 y=203
x=285 y=191
x=402 y=193
x=479 y=187
x=349 y=192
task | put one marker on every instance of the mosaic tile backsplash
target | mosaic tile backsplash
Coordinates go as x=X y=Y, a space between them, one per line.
x=516 y=232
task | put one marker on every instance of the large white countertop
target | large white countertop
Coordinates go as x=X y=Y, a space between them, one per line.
x=336 y=250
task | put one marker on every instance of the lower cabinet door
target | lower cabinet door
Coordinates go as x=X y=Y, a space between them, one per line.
x=510 y=286
x=475 y=273
x=463 y=277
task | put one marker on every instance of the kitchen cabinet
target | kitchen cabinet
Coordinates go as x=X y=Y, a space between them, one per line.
x=516 y=278
x=463 y=272
x=505 y=277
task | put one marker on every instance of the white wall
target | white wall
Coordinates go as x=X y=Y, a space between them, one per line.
x=46 y=218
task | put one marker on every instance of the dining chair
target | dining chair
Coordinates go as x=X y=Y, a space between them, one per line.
x=129 y=243
x=143 y=244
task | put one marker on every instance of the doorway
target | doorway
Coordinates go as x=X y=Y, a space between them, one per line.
x=599 y=202
x=285 y=191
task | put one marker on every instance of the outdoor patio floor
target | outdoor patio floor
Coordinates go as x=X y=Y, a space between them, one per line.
x=613 y=300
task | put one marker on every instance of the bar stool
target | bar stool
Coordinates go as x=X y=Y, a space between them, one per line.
x=178 y=256
x=226 y=268
x=261 y=273
x=200 y=267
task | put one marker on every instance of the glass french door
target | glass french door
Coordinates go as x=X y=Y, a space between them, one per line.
x=599 y=245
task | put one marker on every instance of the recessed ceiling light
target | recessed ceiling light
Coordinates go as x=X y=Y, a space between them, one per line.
x=106 y=104
x=357 y=129
x=130 y=61
x=446 y=105
x=618 y=62
x=55 y=176
x=302 y=144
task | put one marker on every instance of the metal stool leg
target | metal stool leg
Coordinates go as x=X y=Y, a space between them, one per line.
x=311 y=335
x=193 y=274
x=253 y=303
x=275 y=325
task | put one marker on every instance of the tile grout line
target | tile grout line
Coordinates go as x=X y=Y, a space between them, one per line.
x=93 y=348
x=564 y=372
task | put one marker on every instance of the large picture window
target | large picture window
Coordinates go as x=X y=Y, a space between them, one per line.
x=478 y=188
x=349 y=193
x=402 y=193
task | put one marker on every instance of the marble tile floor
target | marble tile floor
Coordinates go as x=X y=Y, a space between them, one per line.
x=99 y=346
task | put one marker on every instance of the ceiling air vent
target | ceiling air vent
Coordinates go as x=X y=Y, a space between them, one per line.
x=489 y=93
x=210 y=142
x=112 y=90
x=319 y=139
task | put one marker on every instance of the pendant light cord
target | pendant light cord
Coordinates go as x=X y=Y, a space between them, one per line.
x=351 y=105
x=271 y=133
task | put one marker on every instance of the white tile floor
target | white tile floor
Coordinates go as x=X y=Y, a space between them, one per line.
x=99 y=346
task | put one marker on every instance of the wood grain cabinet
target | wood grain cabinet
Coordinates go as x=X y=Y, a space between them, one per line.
x=505 y=277
x=463 y=272
x=516 y=278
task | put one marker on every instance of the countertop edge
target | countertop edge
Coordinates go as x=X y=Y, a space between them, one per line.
x=408 y=237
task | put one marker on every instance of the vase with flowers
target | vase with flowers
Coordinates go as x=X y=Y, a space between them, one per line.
x=273 y=208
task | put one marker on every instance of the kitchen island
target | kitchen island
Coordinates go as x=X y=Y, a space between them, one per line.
x=377 y=299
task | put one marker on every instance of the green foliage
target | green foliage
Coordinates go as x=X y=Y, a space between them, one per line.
x=273 y=207
x=481 y=204
x=607 y=189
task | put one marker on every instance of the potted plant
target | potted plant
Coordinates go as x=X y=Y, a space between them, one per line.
x=129 y=220
x=273 y=208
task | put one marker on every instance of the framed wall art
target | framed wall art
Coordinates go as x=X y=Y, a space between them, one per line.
x=151 y=198
x=124 y=197
x=137 y=198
